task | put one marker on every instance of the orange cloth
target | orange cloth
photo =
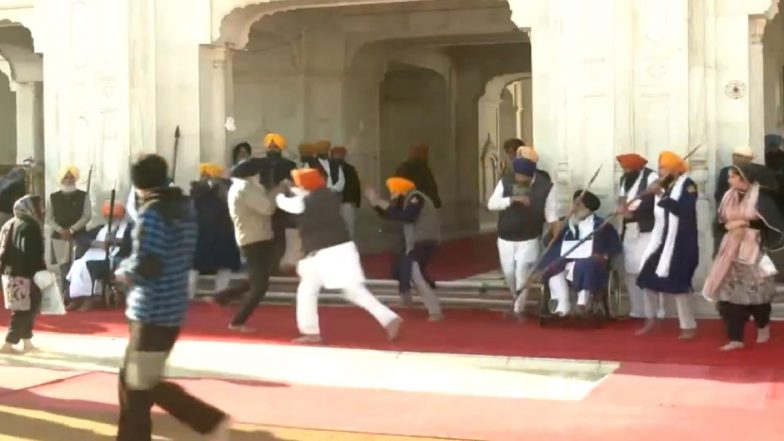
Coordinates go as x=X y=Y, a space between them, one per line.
x=528 y=153
x=398 y=186
x=672 y=161
x=631 y=161
x=277 y=139
x=323 y=146
x=308 y=179
x=211 y=170
x=119 y=210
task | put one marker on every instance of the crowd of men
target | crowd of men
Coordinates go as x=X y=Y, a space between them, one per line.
x=243 y=215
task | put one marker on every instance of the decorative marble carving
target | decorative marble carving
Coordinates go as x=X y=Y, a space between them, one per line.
x=735 y=89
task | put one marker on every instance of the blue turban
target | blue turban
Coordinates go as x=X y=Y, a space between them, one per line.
x=524 y=167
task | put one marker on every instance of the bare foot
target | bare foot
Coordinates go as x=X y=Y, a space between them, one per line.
x=688 y=334
x=393 y=328
x=512 y=315
x=647 y=328
x=763 y=334
x=732 y=346
x=241 y=329
x=436 y=317
x=29 y=347
x=8 y=349
x=309 y=340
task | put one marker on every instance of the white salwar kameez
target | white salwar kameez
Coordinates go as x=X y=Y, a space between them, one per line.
x=80 y=281
x=336 y=267
x=634 y=245
x=559 y=283
x=519 y=258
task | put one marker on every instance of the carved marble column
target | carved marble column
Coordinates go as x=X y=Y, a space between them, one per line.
x=756 y=85
x=217 y=102
x=29 y=125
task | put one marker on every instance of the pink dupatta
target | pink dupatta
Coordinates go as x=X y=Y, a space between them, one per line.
x=742 y=245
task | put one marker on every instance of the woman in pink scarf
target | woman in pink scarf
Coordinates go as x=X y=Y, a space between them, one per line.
x=741 y=277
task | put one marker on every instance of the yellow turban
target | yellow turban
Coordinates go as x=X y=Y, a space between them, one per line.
x=277 y=139
x=528 y=153
x=211 y=170
x=323 y=146
x=72 y=169
x=672 y=161
x=398 y=186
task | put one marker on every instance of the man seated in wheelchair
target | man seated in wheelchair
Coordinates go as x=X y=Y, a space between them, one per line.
x=91 y=270
x=585 y=266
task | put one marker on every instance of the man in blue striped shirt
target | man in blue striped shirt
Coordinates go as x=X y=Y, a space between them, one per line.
x=157 y=275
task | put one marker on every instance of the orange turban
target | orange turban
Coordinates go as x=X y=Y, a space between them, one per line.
x=119 y=210
x=277 y=139
x=631 y=161
x=308 y=179
x=528 y=153
x=398 y=186
x=672 y=161
x=211 y=170
x=323 y=146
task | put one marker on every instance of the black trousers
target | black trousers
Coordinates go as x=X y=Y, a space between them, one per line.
x=22 y=322
x=422 y=254
x=259 y=257
x=735 y=317
x=141 y=385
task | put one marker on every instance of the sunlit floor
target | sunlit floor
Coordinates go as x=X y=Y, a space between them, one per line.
x=28 y=424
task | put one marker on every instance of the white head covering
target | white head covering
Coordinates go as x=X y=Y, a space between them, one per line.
x=744 y=151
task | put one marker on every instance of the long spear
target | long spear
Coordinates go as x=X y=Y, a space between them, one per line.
x=648 y=191
x=176 y=151
x=109 y=237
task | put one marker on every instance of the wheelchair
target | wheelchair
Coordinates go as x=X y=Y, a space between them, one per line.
x=603 y=306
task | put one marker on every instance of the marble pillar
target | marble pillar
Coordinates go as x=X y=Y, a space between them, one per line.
x=757 y=85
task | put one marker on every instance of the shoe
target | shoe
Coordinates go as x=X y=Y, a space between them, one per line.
x=436 y=317
x=308 y=340
x=688 y=334
x=393 y=328
x=222 y=432
x=763 y=334
x=732 y=346
x=647 y=328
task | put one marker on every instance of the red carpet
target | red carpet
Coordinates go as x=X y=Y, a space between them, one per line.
x=456 y=259
x=464 y=331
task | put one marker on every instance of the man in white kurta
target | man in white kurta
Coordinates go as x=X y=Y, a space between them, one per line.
x=331 y=258
x=81 y=282
x=638 y=221
x=526 y=201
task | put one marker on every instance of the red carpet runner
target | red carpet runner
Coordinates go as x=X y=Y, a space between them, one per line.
x=464 y=331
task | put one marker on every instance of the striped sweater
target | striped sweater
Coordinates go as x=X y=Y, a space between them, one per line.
x=164 y=244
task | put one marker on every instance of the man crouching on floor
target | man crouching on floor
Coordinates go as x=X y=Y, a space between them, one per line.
x=331 y=258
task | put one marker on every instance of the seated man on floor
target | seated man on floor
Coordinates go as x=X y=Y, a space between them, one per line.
x=584 y=265
x=84 y=293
